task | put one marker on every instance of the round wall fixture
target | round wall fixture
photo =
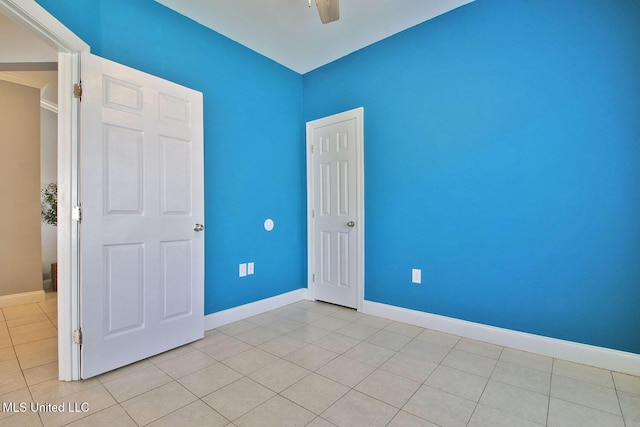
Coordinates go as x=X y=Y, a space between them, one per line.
x=268 y=224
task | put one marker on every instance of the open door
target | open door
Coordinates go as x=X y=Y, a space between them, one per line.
x=142 y=209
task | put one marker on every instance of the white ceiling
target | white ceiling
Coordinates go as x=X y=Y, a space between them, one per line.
x=290 y=33
x=25 y=59
x=20 y=45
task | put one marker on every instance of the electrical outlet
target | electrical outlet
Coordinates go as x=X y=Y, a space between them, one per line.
x=243 y=269
x=416 y=275
x=250 y=268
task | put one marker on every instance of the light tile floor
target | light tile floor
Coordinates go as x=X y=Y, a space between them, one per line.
x=309 y=364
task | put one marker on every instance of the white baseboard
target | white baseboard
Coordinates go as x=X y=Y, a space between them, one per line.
x=22 y=298
x=234 y=314
x=600 y=357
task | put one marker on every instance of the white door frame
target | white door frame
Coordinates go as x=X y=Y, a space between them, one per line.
x=358 y=115
x=35 y=18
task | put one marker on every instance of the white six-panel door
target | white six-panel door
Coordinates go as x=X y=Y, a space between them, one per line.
x=141 y=187
x=336 y=208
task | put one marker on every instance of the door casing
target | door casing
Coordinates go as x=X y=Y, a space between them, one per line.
x=358 y=115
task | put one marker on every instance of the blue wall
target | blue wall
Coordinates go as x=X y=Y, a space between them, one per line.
x=254 y=138
x=502 y=157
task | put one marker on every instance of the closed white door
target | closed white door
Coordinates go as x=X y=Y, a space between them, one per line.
x=335 y=194
x=141 y=187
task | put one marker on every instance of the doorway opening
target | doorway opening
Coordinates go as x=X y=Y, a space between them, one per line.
x=28 y=100
x=35 y=24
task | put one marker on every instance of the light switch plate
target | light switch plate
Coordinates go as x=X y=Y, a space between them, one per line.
x=250 y=268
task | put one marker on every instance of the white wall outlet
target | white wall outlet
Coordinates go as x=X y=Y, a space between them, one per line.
x=250 y=268
x=243 y=269
x=416 y=275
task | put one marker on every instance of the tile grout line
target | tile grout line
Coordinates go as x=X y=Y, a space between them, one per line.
x=553 y=361
x=621 y=416
x=615 y=386
x=485 y=386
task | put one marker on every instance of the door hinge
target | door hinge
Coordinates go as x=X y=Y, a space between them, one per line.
x=313 y=213
x=313 y=277
x=77 y=91
x=311 y=148
x=77 y=336
x=76 y=213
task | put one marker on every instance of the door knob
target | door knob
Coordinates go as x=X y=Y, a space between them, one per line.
x=198 y=227
x=351 y=224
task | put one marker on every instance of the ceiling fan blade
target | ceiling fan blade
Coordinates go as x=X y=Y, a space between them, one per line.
x=329 y=10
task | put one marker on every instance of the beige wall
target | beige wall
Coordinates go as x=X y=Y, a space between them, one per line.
x=20 y=252
x=48 y=174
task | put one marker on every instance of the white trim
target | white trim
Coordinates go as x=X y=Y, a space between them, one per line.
x=21 y=298
x=234 y=314
x=48 y=105
x=358 y=115
x=34 y=17
x=600 y=357
x=24 y=79
x=68 y=229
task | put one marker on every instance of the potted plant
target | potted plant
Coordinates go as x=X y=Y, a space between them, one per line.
x=49 y=212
